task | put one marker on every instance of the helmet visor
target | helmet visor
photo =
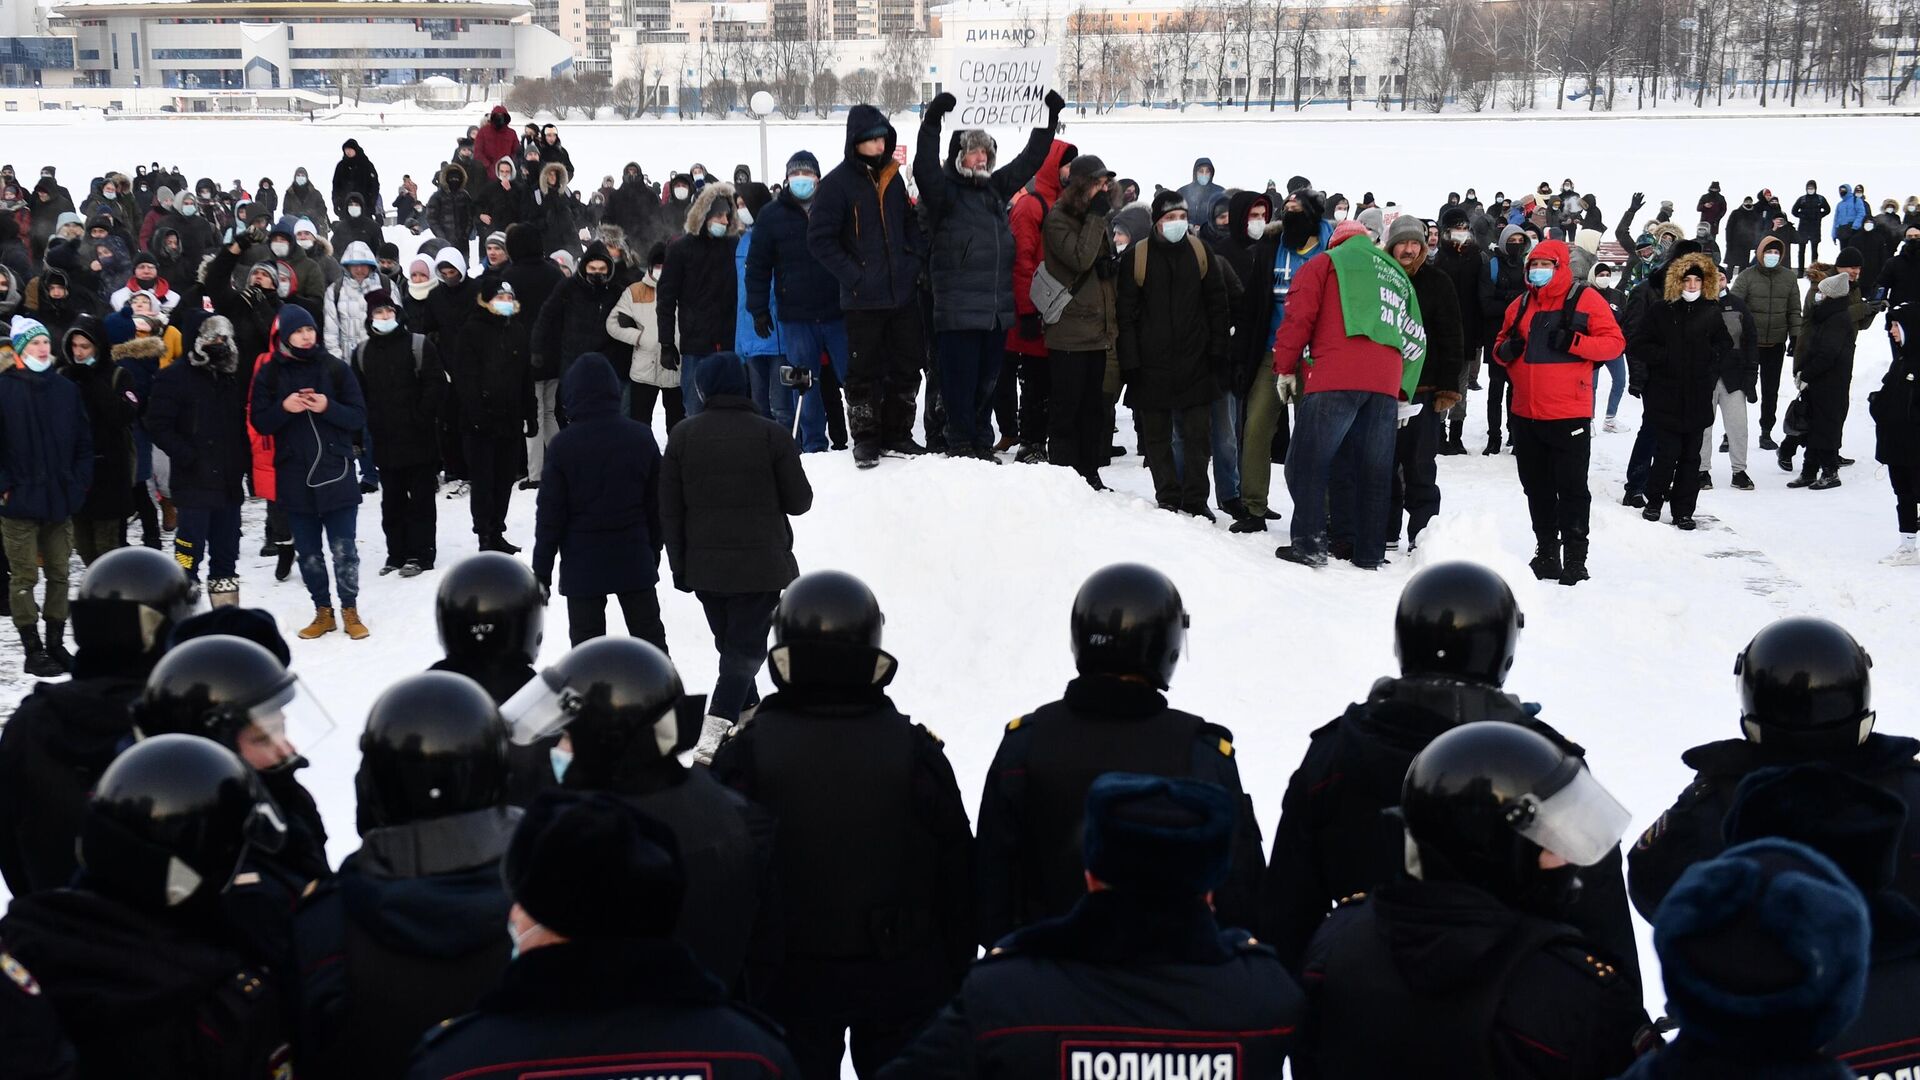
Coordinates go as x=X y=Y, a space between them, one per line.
x=543 y=707
x=289 y=719
x=1582 y=823
x=265 y=829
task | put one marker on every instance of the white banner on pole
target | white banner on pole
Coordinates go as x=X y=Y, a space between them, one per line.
x=1003 y=87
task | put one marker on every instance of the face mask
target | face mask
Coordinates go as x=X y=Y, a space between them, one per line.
x=280 y=248
x=1867 y=226
x=699 y=176
x=1603 y=282
x=1120 y=247
x=385 y=326
x=354 y=211
x=1690 y=293
x=716 y=229
x=503 y=307
x=1203 y=177
x=653 y=276
x=1174 y=231
x=306 y=243
x=560 y=760
x=1460 y=236
x=38 y=365
x=597 y=279
x=680 y=193
x=299 y=180
x=189 y=210
x=1339 y=215
x=746 y=217
x=1811 y=190
x=1771 y=259
x=801 y=186
x=1256 y=229
x=1539 y=276
x=86 y=361
x=108 y=193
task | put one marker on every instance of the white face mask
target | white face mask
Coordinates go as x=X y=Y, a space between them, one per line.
x=1460 y=236
x=680 y=193
x=1339 y=215
x=39 y=364
x=1603 y=282
x=1174 y=231
x=1690 y=293
x=280 y=248
x=305 y=242
x=354 y=211
x=1120 y=246
x=1256 y=228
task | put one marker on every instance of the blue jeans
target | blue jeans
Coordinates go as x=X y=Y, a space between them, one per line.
x=689 y=396
x=805 y=342
x=763 y=375
x=969 y=368
x=1357 y=427
x=1617 y=376
x=312 y=553
x=1226 y=448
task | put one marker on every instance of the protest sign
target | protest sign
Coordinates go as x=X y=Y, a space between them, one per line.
x=1003 y=87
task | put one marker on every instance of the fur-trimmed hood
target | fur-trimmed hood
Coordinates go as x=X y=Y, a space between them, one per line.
x=553 y=178
x=1677 y=272
x=703 y=202
x=140 y=348
x=442 y=179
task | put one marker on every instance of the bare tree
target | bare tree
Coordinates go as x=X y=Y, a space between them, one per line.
x=1079 y=55
x=825 y=93
x=1348 y=46
x=903 y=62
x=1301 y=52
x=861 y=86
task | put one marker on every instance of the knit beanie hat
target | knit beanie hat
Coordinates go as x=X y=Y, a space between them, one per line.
x=592 y=865
x=1405 y=227
x=1763 y=950
x=24 y=329
x=803 y=160
x=1832 y=287
x=1850 y=257
x=1156 y=836
x=1165 y=202
x=1373 y=219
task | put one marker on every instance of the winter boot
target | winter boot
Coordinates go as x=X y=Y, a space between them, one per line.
x=1785 y=457
x=866 y=454
x=1006 y=443
x=37 y=662
x=1651 y=513
x=1806 y=478
x=1545 y=563
x=713 y=730
x=1295 y=555
x=57 y=644
x=223 y=592
x=269 y=549
x=1493 y=446
x=350 y=618
x=1633 y=499
x=1248 y=525
x=322 y=624
x=1907 y=554
x=1766 y=441
x=283 y=569
x=504 y=546
x=1846 y=461
x=1031 y=454
x=1573 y=569
x=1829 y=478
x=1612 y=426
x=1742 y=482
x=1706 y=480
x=1685 y=523
x=412 y=568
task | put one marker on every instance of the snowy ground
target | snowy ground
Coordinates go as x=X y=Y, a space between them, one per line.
x=977 y=565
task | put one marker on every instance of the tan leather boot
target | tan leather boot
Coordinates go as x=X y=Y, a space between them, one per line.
x=350 y=618
x=322 y=624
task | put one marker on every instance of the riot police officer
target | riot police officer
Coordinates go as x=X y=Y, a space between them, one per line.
x=873 y=850
x=1464 y=967
x=1138 y=979
x=408 y=933
x=492 y=616
x=241 y=696
x=135 y=958
x=1455 y=632
x=1129 y=629
x=1806 y=695
x=65 y=734
x=597 y=986
x=623 y=721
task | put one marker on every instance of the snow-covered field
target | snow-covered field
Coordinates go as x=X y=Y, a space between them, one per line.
x=976 y=565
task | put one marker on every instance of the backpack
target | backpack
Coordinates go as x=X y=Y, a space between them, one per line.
x=419 y=355
x=1140 y=259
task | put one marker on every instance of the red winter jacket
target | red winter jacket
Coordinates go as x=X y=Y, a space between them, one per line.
x=1025 y=218
x=1314 y=321
x=491 y=143
x=1549 y=384
x=263 y=475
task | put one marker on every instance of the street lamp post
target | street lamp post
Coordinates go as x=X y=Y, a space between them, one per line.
x=761 y=105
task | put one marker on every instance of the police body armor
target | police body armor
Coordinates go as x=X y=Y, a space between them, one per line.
x=722 y=870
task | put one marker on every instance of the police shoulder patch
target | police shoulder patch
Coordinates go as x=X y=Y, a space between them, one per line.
x=1583 y=958
x=1014 y=724
x=1218 y=737
x=18 y=975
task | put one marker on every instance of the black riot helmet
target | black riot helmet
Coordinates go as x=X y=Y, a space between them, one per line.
x=1482 y=802
x=129 y=602
x=434 y=745
x=490 y=609
x=618 y=699
x=228 y=688
x=169 y=821
x=1128 y=620
x=826 y=633
x=1805 y=684
x=1458 y=620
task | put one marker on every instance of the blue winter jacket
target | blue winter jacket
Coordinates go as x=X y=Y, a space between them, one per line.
x=599 y=505
x=46 y=446
x=746 y=341
x=863 y=229
x=782 y=270
x=313 y=458
x=1850 y=214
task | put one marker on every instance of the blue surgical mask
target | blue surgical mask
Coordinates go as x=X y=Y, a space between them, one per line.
x=385 y=326
x=716 y=229
x=801 y=186
x=188 y=210
x=1771 y=259
x=37 y=365
x=1174 y=231
x=86 y=361
x=504 y=307
x=1540 y=276
x=560 y=760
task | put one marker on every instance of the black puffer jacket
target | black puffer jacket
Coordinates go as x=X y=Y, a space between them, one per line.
x=353 y=174
x=635 y=207
x=573 y=320
x=780 y=265
x=1896 y=405
x=492 y=377
x=1173 y=327
x=406 y=394
x=1826 y=364
x=1685 y=349
x=552 y=210
x=697 y=291
x=113 y=405
x=197 y=416
x=863 y=228
x=450 y=211
x=964 y=214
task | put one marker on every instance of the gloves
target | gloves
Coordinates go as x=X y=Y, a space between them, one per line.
x=226 y=237
x=1055 y=106
x=532 y=428
x=1639 y=200
x=1288 y=387
x=586 y=235
x=1511 y=349
x=626 y=321
x=763 y=325
x=1751 y=392
x=1031 y=328
x=670 y=358
x=1560 y=339
x=1444 y=400
x=940 y=106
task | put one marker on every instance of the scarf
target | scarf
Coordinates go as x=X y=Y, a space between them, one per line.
x=1377 y=302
